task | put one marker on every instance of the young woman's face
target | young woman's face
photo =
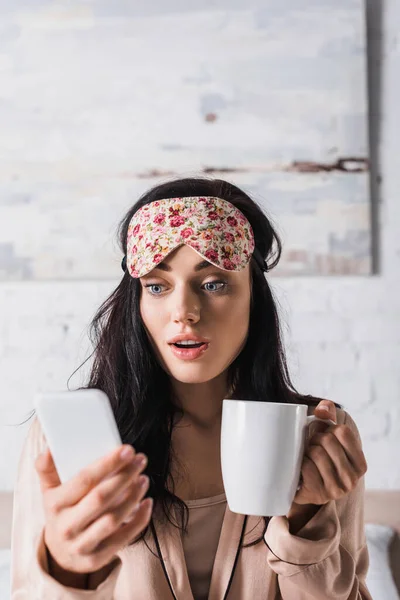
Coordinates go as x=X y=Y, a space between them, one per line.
x=180 y=297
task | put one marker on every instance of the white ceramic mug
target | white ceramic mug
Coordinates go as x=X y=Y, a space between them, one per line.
x=262 y=447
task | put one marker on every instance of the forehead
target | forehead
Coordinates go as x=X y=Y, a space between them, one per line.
x=185 y=260
x=184 y=257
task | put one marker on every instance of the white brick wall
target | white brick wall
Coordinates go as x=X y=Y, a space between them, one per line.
x=343 y=334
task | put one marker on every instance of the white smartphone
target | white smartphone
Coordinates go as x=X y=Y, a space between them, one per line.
x=79 y=428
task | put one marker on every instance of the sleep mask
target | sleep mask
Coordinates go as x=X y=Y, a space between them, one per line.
x=217 y=230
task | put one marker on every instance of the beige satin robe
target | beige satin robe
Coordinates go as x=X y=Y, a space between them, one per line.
x=326 y=560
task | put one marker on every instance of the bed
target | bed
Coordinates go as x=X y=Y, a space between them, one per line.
x=382 y=517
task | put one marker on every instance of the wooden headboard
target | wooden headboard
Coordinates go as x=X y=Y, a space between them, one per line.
x=383 y=507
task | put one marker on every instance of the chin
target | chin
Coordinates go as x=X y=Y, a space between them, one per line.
x=194 y=375
x=192 y=378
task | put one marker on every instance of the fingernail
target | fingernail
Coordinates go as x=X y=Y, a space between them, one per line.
x=132 y=514
x=324 y=407
x=140 y=460
x=127 y=453
x=143 y=479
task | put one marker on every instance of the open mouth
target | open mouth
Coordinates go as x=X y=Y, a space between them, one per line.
x=189 y=352
x=186 y=346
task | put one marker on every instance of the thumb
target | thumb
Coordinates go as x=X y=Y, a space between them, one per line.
x=47 y=471
x=326 y=409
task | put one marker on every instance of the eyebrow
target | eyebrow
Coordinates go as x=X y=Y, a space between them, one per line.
x=204 y=264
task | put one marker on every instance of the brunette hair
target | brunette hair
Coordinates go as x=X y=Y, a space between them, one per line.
x=126 y=369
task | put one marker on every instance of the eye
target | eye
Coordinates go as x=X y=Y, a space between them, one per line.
x=153 y=285
x=215 y=283
x=155 y=289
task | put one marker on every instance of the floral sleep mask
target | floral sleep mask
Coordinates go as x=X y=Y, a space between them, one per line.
x=217 y=230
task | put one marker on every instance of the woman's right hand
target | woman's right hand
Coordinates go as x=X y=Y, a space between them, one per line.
x=91 y=517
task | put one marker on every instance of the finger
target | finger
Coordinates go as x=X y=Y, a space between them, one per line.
x=81 y=484
x=326 y=409
x=326 y=468
x=108 y=494
x=315 y=427
x=311 y=479
x=352 y=448
x=344 y=469
x=46 y=469
x=310 y=474
x=107 y=534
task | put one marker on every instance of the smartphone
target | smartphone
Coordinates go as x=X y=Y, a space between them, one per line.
x=79 y=427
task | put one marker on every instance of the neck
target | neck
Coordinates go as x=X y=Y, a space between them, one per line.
x=201 y=403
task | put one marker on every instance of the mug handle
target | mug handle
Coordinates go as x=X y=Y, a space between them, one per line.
x=309 y=420
x=312 y=418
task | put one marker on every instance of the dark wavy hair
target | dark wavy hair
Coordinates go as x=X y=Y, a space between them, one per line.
x=125 y=366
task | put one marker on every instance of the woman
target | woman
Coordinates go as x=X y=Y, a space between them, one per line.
x=196 y=252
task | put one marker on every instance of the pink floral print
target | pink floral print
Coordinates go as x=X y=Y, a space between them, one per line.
x=213 y=227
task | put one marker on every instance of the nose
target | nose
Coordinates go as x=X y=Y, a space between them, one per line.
x=186 y=307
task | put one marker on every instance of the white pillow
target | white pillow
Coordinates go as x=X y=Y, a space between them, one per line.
x=5 y=582
x=379 y=578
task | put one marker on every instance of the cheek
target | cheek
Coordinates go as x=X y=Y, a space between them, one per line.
x=240 y=305
x=154 y=324
x=233 y=320
x=151 y=317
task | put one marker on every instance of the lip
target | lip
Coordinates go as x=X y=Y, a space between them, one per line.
x=188 y=336
x=189 y=353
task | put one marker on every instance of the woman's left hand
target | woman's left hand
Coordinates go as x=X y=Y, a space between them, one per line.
x=333 y=461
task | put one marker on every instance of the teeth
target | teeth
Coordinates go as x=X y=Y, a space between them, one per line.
x=187 y=342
